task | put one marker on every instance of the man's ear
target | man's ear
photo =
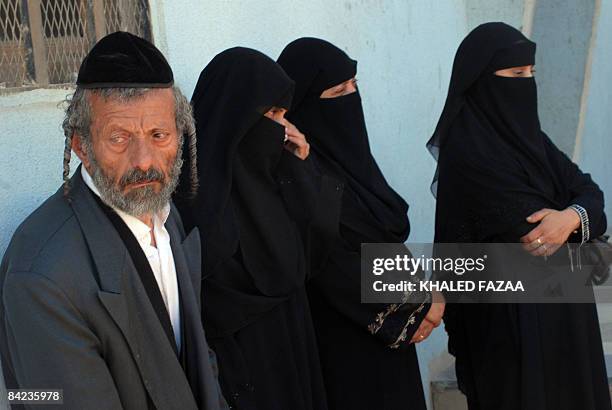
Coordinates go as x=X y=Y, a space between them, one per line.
x=77 y=147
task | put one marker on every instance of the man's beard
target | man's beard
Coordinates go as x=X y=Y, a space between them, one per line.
x=142 y=200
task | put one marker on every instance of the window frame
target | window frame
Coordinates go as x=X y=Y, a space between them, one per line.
x=35 y=42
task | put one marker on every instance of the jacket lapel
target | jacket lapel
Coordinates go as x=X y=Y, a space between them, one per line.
x=200 y=359
x=126 y=301
x=187 y=259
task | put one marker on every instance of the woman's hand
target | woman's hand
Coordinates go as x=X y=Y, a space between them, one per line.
x=432 y=320
x=554 y=227
x=296 y=141
x=423 y=332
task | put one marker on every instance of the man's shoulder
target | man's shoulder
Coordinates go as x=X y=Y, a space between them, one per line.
x=51 y=229
x=174 y=218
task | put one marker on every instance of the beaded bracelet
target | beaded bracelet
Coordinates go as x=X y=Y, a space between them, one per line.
x=584 y=222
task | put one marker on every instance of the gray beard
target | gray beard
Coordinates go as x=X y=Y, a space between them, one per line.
x=137 y=201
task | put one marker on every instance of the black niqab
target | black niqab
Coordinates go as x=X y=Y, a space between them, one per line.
x=495 y=168
x=488 y=141
x=355 y=373
x=238 y=209
x=254 y=305
x=335 y=128
x=486 y=49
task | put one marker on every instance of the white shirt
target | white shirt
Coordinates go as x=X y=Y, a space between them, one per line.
x=160 y=257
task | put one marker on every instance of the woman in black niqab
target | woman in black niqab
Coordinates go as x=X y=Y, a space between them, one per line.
x=255 y=310
x=366 y=355
x=337 y=133
x=496 y=168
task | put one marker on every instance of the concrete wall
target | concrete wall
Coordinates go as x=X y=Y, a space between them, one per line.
x=594 y=143
x=405 y=51
x=562 y=30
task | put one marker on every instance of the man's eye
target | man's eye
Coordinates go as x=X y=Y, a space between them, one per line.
x=159 y=135
x=118 y=139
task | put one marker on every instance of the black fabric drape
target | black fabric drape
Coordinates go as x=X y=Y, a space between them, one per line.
x=314 y=202
x=490 y=140
x=254 y=306
x=495 y=168
x=336 y=130
x=491 y=151
x=360 y=370
x=237 y=208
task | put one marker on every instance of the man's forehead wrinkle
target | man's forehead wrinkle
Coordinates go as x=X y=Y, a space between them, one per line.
x=143 y=117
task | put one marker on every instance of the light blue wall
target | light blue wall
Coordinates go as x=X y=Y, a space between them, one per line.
x=594 y=151
x=562 y=30
x=508 y=11
x=31 y=146
x=405 y=50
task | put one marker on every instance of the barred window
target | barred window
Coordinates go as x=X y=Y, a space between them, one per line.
x=42 y=42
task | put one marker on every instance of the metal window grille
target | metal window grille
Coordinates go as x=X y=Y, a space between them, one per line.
x=13 y=51
x=132 y=16
x=42 y=42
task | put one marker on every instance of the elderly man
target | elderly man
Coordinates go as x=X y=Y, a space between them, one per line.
x=100 y=285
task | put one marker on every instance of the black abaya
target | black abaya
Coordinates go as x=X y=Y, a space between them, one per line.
x=366 y=365
x=255 y=310
x=495 y=168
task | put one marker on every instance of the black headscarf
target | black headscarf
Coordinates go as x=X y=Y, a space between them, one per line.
x=495 y=168
x=335 y=128
x=495 y=165
x=252 y=254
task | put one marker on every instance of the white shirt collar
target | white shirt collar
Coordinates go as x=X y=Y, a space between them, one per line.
x=140 y=230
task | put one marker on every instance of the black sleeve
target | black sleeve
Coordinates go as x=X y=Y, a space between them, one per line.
x=584 y=192
x=313 y=201
x=52 y=346
x=478 y=202
x=339 y=284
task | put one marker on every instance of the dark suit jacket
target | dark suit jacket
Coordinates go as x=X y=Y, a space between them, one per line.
x=75 y=316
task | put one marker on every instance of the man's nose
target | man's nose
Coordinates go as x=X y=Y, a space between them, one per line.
x=141 y=154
